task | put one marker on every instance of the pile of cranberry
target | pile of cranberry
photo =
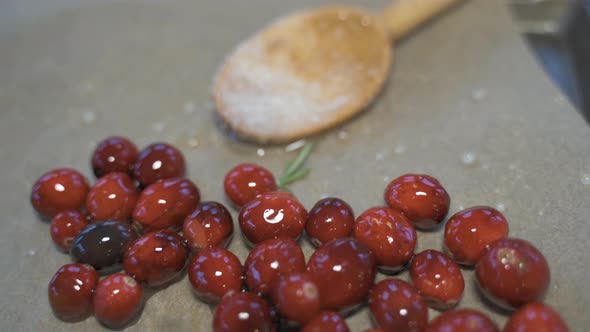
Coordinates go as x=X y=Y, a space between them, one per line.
x=143 y=216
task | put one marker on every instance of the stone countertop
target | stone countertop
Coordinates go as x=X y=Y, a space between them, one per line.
x=465 y=103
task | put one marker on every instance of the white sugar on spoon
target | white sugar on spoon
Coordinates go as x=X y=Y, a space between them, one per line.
x=312 y=70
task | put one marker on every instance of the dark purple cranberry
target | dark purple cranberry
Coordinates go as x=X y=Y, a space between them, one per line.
x=102 y=245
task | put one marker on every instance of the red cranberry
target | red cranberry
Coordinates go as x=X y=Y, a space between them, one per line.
x=158 y=161
x=114 y=154
x=112 y=197
x=389 y=235
x=470 y=232
x=245 y=181
x=462 y=320
x=420 y=197
x=329 y=219
x=215 y=272
x=209 y=225
x=535 y=317
x=238 y=312
x=156 y=258
x=344 y=270
x=437 y=278
x=102 y=245
x=118 y=298
x=272 y=215
x=396 y=306
x=70 y=291
x=297 y=297
x=271 y=259
x=512 y=273
x=165 y=204
x=58 y=190
x=65 y=226
x=326 y=321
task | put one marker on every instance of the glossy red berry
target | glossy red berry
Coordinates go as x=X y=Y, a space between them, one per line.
x=512 y=273
x=112 y=197
x=344 y=271
x=326 y=321
x=102 y=245
x=437 y=278
x=165 y=204
x=215 y=272
x=65 y=226
x=245 y=181
x=158 y=161
x=329 y=219
x=470 y=232
x=420 y=197
x=238 y=312
x=70 y=291
x=114 y=154
x=118 y=299
x=297 y=297
x=269 y=260
x=156 y=258
x=462 y=320
x=396 y=306
x=272 y=215
x=536 y=317
x=58 y=190
x=209 y=225
x=389 y=235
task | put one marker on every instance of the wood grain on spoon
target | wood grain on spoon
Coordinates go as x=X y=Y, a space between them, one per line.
x=310 y=71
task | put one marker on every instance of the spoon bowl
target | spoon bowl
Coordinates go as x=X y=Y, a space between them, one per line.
x=312 y=70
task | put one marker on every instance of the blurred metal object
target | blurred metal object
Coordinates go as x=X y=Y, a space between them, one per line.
x=576 y=33
x=558 y=32
x=540 y=17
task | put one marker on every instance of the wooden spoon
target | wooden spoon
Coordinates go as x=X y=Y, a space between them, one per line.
x=312 y=70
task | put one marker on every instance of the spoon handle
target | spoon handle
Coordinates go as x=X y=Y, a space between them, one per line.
x=403 y=16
